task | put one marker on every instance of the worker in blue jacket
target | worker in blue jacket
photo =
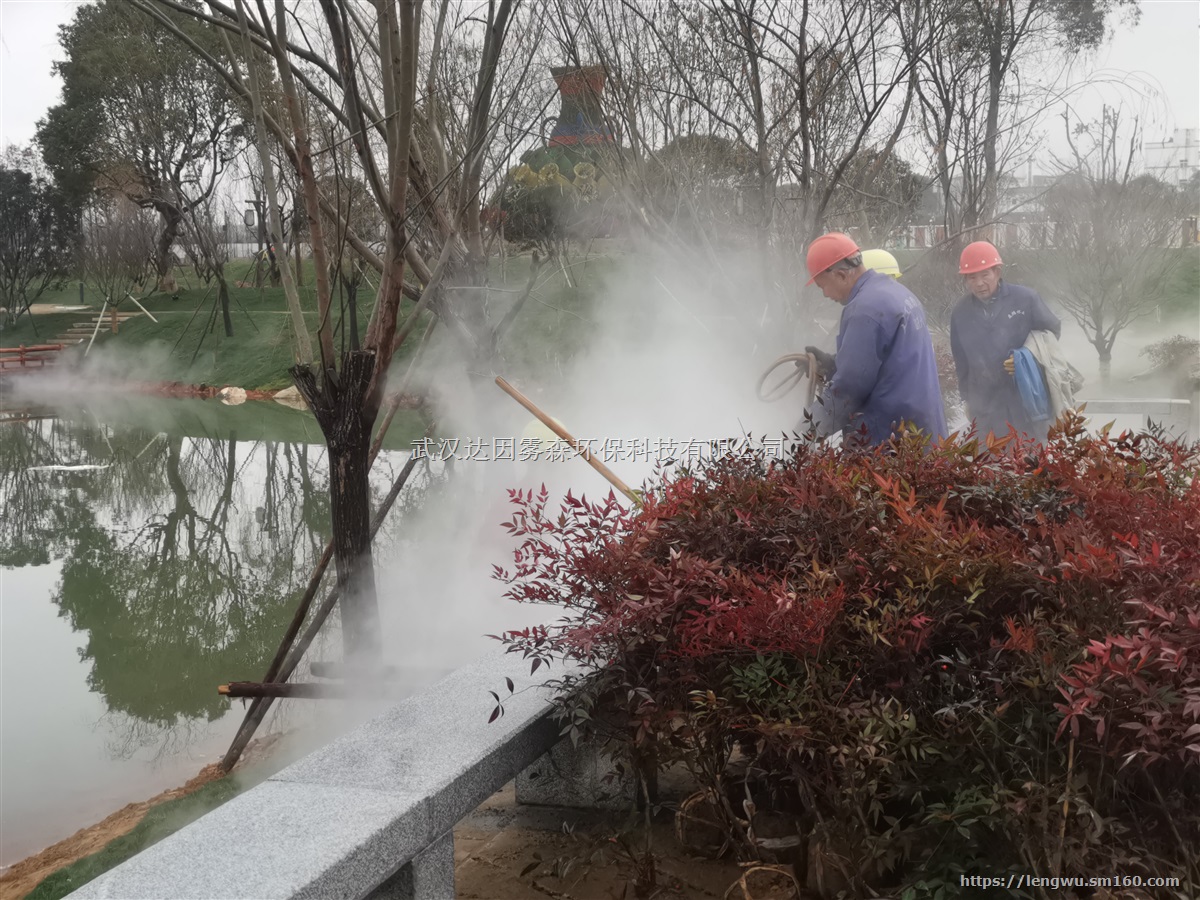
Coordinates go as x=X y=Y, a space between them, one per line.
x=885 y=372
x=986 y=327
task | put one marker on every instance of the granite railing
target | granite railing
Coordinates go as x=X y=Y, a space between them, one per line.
x=1176 y=416
x=372 y=813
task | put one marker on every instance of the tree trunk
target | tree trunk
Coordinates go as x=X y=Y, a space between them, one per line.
x=350 y=500
x=308 y=184
x=297 y=219
x=996 y=66
x=303 y=349
x=1105 y=352
x=182 y=510
x=764 y=177
x=352 y=304
x=163 y=259
x=260 y=234
x=340 y=413
x=223 y=293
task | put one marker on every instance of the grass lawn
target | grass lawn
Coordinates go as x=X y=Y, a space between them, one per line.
x=39 y=329
x=557 y=319
x=159 y=822
x=188 y=343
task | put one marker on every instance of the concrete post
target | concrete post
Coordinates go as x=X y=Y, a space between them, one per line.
x=578 y=777
x=430 y=875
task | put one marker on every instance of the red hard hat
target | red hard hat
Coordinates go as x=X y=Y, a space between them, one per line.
x=827 y=250
x=978 y=256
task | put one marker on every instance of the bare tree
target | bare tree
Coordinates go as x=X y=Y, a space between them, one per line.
x=362 y=67
x=987 y=72
x=206 y=247
x=117 y=253
x=304 y=353
x=139 y=116
x=1114 y=231
x=357 y=212
x=782 y=97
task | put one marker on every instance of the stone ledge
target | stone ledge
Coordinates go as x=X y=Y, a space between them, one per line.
x=344 y=820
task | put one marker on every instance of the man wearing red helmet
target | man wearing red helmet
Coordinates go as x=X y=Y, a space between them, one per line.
x=885 y=372
x=986 y=326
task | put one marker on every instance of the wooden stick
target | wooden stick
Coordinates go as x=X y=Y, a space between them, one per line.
x=349 y=671
x=142 y=308
x=31 y=348
x=99 y=319
x=579 y=448
x=308 y=690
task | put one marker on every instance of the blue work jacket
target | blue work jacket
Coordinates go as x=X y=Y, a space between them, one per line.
x=983 y=334
x=886 y=368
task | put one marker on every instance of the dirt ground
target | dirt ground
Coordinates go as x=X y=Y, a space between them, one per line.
x=27 y=874
x=503 y=851
x=45 y=309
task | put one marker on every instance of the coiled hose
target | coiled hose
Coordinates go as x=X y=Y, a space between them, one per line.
x=804 y=364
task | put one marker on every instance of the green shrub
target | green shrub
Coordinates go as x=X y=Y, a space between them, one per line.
x=936 y=662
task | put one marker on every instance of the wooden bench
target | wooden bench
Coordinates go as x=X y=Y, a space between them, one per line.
x=33 y=357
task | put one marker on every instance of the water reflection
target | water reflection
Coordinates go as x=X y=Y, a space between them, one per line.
x=178 y=559
x=172 y=541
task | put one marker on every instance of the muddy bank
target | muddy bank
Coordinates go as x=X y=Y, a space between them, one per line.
x=22 y=877
x=178 y=390
x=214 y=392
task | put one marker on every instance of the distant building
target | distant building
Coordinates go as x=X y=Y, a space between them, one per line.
x=1023 y=199
x=1175 y=160
x=1020 y=199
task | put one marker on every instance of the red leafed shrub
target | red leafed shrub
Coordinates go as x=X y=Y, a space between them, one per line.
x=1139 y=688
x=1139 y=684
x=891 y=642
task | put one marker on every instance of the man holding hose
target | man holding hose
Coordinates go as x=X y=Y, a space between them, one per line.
x=885 y=371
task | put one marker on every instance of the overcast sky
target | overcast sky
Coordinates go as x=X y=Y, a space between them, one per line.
x=1163 y=50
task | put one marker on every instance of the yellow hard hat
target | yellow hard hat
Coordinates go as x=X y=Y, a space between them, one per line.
x=882 y=262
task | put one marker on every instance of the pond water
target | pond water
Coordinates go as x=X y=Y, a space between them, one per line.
x=154 y=549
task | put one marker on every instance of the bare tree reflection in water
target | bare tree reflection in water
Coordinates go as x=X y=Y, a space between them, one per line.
x=126 y=736
x=181 y=562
